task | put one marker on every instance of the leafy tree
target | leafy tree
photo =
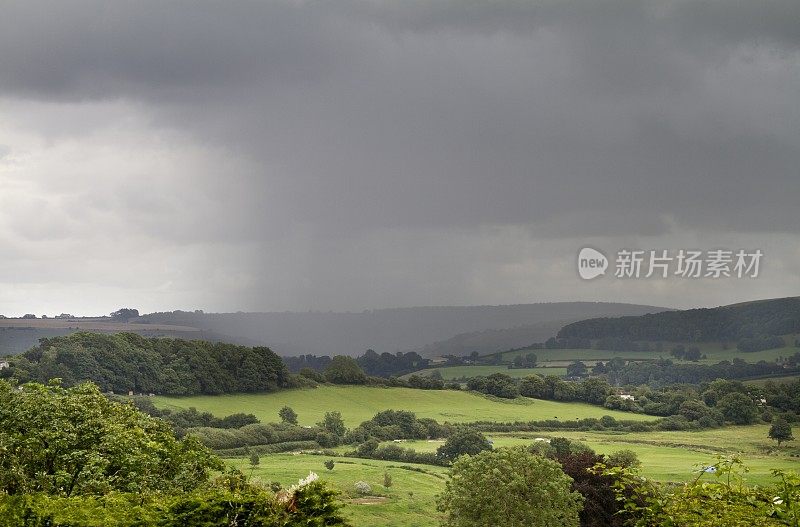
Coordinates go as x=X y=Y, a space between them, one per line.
x=387 y=480
x=75 y=441
x=738 y=408
x=344 y=370
x=126 y=362
x=125 y=314
x=464 y=441
x=509 y=487
x=576 y=369
x=532 y=386
x=333 y=424
x=623 y=458
x=288 y=415
x=329 y=464
x=254 y=460
x=780 y=431
x=600 y=505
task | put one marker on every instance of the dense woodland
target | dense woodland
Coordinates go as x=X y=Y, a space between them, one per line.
x=125 y=362
x=729 y=323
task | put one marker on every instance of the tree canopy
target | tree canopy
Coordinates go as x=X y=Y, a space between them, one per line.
x=510 y=487
x=126 y=362
x=75 y=441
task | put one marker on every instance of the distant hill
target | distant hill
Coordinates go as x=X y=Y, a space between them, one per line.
x=18 y=335
x=424 y=329
x=780 y=316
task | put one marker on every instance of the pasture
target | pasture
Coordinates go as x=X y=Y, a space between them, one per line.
x=458 y=372
x=410 y=501
x=360 y=403
x=671 y=456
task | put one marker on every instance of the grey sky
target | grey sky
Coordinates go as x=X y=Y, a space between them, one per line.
x=359 y=154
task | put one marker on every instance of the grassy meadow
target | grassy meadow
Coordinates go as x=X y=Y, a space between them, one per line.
x=360 y=403
x=410 y=501
x=458 y=372
x=671 y=456
x=714 y=351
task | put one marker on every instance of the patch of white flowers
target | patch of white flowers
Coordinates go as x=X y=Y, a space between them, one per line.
x=312 y=477
x=362 y=487
x=286 y=495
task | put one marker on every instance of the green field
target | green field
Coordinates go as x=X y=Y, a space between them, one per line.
x=457 y=372
x=672 y=456
x=714 y=351
x=360 y=403
x=409 y=502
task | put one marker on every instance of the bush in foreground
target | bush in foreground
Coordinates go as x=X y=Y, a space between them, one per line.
x=509 y=487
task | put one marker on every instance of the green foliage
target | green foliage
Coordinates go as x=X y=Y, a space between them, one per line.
x=231 y=501
x=288 y=415
x=387 y=480
x=397 y=424
x=126 y=362
x=723 y=499
x=769 y=317
x=509 y=487
x=463 y=441
x=333 y=423
x=255 y=460
x=780 y=431
x=344 y=370
x=623 y=458
x=329 y=464
x=75 y=441
x=738 y=408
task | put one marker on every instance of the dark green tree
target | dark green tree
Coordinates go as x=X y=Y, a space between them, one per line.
x=344 y=370
x=288 y=415
x=780 y=431
x=509 y=487
x=464 y=441
x=738 y=408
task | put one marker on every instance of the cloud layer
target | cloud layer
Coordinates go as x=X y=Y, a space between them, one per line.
x=354 y=154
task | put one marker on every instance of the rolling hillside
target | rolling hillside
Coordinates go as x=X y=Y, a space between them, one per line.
x=423 y=329
x=780 y=316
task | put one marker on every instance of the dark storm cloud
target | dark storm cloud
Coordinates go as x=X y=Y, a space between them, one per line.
x=394 y=127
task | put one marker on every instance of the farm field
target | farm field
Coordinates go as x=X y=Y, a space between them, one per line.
x=409 y=502
x=714 y=351
x=457 y=372
x=360 y=403
x=671 y=456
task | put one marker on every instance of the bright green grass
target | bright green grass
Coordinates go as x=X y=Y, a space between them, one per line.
x=457 y=372
x=665 y=456
x=410 y=501
x=671 y=456
x=360 y=403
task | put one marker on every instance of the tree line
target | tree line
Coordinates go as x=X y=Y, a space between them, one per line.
x=126 y=362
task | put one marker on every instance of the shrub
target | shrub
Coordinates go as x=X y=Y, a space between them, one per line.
x=509 y=487
x=623 y=458
x=464 y=441
x=362 y=487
